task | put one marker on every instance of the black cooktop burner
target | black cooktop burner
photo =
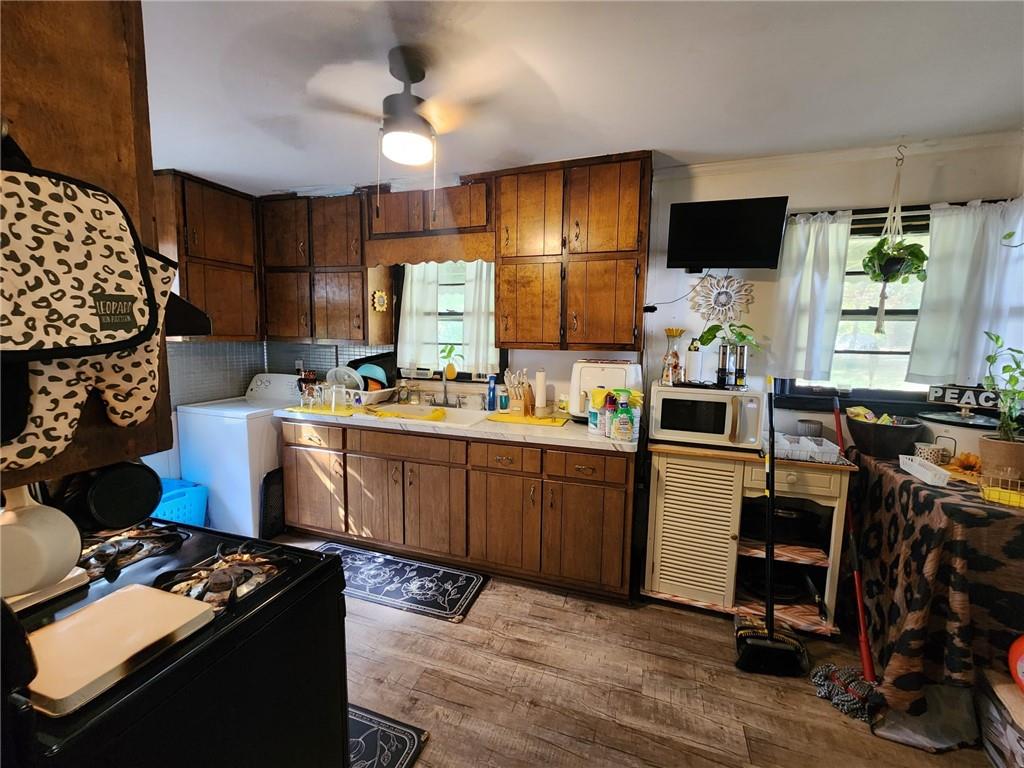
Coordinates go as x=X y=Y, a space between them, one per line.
x=105 y=554
x=229 y=575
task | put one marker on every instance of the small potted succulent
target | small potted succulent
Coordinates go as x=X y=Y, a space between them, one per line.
x=1002 y=454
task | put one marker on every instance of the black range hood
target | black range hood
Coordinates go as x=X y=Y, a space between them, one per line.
x=185 y=319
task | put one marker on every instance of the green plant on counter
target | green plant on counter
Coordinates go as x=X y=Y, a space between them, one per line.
x=730 y=333
x=889 y=262
x=1006 y=377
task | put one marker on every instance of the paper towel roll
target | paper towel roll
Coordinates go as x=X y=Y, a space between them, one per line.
x=692 y=365
x=540 y=389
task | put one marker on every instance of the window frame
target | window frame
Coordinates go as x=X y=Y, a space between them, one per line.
x=867 y=222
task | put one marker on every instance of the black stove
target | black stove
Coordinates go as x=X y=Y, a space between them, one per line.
x=274 y=650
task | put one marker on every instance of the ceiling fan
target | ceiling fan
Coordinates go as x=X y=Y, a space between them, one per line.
x=409 y=123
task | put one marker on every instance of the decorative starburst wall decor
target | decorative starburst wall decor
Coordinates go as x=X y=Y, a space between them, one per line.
x=722 y=299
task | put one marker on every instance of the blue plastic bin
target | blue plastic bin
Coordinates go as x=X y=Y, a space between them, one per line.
x=182 y=502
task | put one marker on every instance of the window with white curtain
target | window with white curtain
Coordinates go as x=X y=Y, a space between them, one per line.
x=448 y=304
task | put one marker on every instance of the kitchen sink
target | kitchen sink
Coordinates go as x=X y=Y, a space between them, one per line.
x=418 y=413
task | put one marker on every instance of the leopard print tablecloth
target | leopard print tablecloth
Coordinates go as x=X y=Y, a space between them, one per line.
x=943 y=579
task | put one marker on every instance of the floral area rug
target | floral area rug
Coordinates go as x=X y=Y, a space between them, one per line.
x=432 y=590
x=375 y=741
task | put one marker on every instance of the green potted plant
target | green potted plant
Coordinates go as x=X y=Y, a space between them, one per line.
x=740 y=334
x=891 y=261
x=1002 y=454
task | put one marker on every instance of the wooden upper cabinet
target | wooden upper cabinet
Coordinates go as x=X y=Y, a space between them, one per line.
x=582 y=532
x=600 y=302
x=396 y=212
x=338 y=306
x=336 y=236
x=288 y=295
x=218 y=224
x=604 y=207
x=530 y=214
x=460 y=207
x=227 y=295
x=285 y=226
x=528 y=304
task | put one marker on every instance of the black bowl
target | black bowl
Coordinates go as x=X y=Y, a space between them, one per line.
x=885 y=441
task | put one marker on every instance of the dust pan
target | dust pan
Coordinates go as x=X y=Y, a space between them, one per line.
x=761 y=647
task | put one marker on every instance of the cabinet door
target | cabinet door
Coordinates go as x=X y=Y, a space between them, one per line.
x=604 y=207
x=529 y=303
x=338 y=305
x=314 y=483
x=227 y=295
x=195 y=225
x=228 y=227
x=530 y=214
x=435 y=508
x=287 y=304
x=374 y=498
x=285 y=227
x=396 y=213
x=582 y=532
x=458 y=207
x=336 y=239
x=504 y=519
x=695 y=512
x=601 y=301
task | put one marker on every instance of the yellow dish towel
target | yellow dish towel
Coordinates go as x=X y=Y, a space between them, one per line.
x=325 y=410
x=382 y=412
x=537 y=421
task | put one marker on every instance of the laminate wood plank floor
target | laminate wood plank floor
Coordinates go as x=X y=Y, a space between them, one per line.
x=537 y=677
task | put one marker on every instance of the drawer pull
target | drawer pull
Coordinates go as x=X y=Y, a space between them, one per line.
x=791 y=477
x=314 y=438
x=584 y=470
x=503 y=459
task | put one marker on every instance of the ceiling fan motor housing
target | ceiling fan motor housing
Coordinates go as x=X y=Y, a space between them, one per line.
x=400 y=114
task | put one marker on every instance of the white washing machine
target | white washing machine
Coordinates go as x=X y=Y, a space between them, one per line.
x=229 y=445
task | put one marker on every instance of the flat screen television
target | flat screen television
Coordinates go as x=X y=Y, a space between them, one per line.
x=726 y=233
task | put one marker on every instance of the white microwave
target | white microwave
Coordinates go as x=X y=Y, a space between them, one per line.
x=712 y=417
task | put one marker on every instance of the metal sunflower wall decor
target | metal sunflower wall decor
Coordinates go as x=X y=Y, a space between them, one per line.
x=722 y=299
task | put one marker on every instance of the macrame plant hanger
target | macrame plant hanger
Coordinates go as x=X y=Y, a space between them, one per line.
x=892 y=230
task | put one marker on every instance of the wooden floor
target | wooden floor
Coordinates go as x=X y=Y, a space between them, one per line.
x=535 y=677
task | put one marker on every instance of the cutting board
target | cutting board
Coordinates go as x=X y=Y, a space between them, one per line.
x=83 y=654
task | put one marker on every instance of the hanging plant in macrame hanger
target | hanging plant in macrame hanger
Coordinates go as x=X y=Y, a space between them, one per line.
x=893 y=259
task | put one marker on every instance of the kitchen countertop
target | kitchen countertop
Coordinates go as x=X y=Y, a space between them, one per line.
x=571 y=435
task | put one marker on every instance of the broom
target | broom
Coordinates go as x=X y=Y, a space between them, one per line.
x=761 y=647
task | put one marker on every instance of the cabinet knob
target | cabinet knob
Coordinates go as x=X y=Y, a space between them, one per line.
x=791 y=477
x=734 y=536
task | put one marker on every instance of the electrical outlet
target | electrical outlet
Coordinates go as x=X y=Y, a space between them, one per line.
x=299 y=366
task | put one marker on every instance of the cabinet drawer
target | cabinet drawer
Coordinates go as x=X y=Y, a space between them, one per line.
x=316 y=435
x=397 y=446
x=796 y=480
x=510 y=457
x=581 y=466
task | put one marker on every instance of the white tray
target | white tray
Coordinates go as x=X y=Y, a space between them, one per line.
x=924 y=470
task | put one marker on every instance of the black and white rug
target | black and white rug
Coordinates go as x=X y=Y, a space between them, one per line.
x=375 y=741
x=431 y=590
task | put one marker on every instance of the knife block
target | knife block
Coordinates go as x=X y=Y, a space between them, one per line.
x=523 y=406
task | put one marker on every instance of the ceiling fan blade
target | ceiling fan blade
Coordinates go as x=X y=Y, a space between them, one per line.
x=354 y=89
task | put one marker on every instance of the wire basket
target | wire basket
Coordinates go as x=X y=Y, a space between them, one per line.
x=800 y=448
x=1001 y=490
x=924 y=470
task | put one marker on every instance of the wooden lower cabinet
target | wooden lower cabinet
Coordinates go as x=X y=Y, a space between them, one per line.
x=374 y=499
x=582 y=530
x=435 y=508
x=505 y=521
x=314 y=489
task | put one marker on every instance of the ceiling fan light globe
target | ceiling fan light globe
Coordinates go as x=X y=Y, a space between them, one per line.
x=407 y=147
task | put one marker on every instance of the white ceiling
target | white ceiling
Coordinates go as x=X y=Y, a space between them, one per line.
x=694 y=81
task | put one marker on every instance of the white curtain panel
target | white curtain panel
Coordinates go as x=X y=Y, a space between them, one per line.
x=809 y=295
x=417 y=329
x=975 y=284
x=478 y=319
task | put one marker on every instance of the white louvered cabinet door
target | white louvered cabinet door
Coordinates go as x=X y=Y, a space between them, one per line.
x=696 y=509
